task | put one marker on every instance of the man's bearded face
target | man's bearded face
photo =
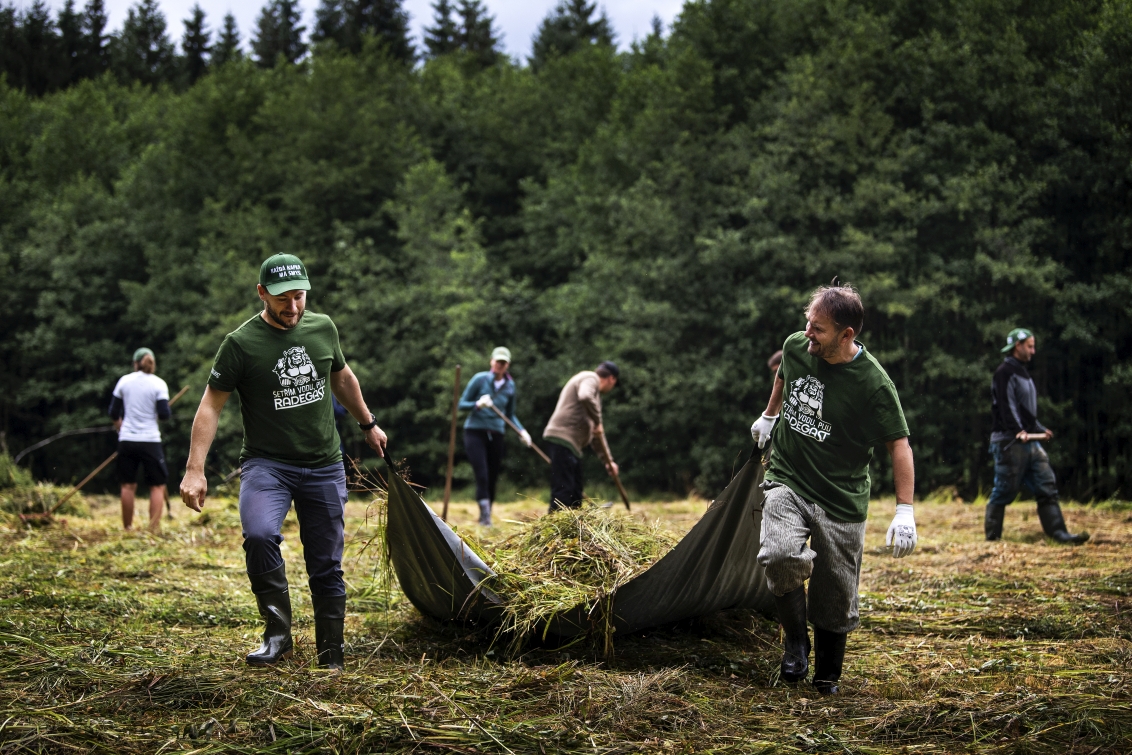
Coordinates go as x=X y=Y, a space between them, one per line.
x=286 y=309
x=824 y=335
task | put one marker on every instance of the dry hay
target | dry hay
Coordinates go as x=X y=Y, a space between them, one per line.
x=571 y=558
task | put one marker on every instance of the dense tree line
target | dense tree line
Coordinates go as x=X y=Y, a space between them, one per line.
x=966 y=163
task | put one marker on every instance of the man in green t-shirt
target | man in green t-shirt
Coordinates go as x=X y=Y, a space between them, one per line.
x=837 y=404
x=281 y=363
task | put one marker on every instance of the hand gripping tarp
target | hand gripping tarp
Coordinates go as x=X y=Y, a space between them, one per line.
x=711 y=569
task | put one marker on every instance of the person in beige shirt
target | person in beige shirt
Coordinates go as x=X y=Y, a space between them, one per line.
x=575 y=424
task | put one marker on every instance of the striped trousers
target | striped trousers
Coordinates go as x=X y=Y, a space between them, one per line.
x=831 y=561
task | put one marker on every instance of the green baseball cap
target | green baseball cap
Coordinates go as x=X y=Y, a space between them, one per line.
x=283 y=272
x=1015 y=337
x=142 y=352
x=501 y=353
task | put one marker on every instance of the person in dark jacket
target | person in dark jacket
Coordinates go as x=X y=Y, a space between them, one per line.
x=1016 y=444
x=484 y=429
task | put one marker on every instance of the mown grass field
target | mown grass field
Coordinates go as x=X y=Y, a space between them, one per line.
x=123 y=642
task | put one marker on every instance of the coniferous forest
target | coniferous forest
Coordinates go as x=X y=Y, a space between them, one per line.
x=669 y=204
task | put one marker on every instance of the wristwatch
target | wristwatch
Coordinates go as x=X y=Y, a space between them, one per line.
x=369 y=425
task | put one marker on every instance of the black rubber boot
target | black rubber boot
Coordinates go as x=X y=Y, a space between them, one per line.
x=329 y=617
x=796 y=642
x=992 y=523
x=1053 y=523
x=829 y=657
x=275 y=607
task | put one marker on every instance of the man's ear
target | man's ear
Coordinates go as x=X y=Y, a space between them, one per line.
x=849 y=333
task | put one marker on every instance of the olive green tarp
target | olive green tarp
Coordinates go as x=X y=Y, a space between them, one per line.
x=713 y=568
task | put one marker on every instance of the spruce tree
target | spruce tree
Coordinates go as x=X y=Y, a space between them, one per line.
x=70 y=24
x=443 y=37
x=569 y=27
x=227 y=47
x=477 y=35
x=347 y=22
x=141 y=51
x=195 y=46
x=37 y=48
x=330 y=22
x=95 y=57
x=278 y=32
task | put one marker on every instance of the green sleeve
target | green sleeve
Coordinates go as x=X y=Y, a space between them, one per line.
x=885 y=421
x=338 y=363
x=228 y=367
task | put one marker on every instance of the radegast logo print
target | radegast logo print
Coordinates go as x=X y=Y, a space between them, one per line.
x=299 y=379
x=803 y=410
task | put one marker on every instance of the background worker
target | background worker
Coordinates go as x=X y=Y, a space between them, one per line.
x=1016 y=435
x=837 y=404
x=139 y=400
x=763 y=422
x=281 y=362
x=484 y=429
x=575 y=424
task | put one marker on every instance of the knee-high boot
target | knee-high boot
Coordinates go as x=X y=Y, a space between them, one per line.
x=1053 y=523
x=329 y=622
x=796 y=636
x=274 y=603
x=829 y=657
x=992 y=522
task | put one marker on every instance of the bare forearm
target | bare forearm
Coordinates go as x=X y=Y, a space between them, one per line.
x=348 y=391
x=903 y=470
x=774 y=406
x=204 y=432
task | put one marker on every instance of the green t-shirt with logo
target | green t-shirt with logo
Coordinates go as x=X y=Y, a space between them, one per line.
x=282 y=377
x=833 y=415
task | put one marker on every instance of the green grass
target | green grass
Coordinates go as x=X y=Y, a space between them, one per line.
x=123 y=642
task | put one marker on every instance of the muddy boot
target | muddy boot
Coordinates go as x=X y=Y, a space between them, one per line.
x=1054 y=525
x=275 y=607
x=485 y=513
x=796 y=643
x=829 y=657
x=329 y=617
x=992 y=523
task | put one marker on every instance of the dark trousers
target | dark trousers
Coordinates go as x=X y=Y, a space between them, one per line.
x=565 y=478
x=266 y=491
x=1023 y=465
x=485 y=453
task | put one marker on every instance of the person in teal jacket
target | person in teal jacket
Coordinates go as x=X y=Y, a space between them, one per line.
x=483 y=431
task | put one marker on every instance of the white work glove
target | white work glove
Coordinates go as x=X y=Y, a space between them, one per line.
x=484 y=401
x=526 y=438
x=760 y=431
x=902 y=531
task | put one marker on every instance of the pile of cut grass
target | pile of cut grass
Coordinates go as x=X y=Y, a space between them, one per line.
x=21 y=494
x=571 y=558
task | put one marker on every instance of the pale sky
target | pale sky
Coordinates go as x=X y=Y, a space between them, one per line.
x=516 y=19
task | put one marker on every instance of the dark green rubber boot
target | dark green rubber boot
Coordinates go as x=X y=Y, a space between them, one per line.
x=796 y=643
x=274 y=603
x=829 y=657
x=329 y=621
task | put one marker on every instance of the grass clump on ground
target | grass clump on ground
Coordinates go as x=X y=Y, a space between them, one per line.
x=573 y=557
x=20 y=494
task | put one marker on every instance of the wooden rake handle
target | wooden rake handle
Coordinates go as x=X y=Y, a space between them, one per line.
x=519 y=432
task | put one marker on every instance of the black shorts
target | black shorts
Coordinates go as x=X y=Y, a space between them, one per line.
x=150 y=456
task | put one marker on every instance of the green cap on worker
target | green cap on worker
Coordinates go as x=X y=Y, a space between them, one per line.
x=142 y=353
x=283 y=272
x=501 y=354
x=1015 y=337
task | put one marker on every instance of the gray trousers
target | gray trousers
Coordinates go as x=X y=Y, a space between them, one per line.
x=832 y=562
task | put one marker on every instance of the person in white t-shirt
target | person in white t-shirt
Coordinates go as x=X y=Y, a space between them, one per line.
x=140 y=400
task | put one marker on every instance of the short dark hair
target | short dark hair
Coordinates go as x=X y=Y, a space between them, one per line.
x=607 y=369
x=842 y=304
x=775 y=359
